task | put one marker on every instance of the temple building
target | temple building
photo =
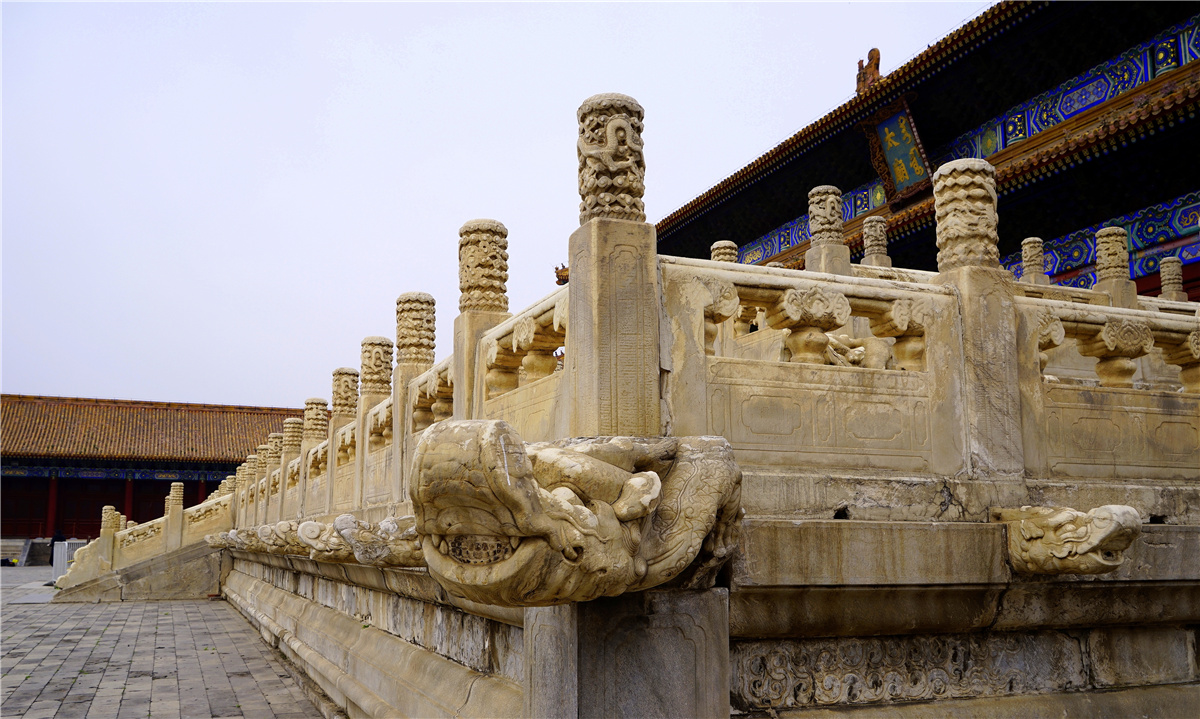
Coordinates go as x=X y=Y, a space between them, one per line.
x=65 y=458
x=1086 y=110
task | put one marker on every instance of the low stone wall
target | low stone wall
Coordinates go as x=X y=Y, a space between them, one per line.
x=384 y=643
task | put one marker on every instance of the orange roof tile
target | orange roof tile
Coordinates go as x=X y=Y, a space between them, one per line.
x=71 y=427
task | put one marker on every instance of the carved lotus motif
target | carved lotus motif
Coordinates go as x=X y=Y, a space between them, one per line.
x=507 y=523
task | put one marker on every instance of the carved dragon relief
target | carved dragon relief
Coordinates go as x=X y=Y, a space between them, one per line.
x=514 y=524
x=1061 y=540
x=390 y=543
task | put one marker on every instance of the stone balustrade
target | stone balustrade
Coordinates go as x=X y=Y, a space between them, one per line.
x=660 y=419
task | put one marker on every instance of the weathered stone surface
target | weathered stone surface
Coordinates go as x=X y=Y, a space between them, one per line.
x=797 y=673
x=515 y=525
x=1123 y=656
x=1060 y=540
x=664 y=653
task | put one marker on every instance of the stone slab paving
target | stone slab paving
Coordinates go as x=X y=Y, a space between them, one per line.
x=187 y=659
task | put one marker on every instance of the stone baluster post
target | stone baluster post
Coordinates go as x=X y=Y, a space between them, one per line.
x=241 y=495
x=1112 y=267
x=1170 y=272
x=612 y=356
x=416 y=334
x=274 y=495
x=376 y=371
x=345 y=411
x=293 y=436
x=249 y=516
x=723 y=251
x=828 y=251
x=875 y=251
x=173 y=517
x=110 y=524
x=612 y=380
x=345 y=399
x=316 y=431
x=1033 y=262
x=263 y=467
x=482 y=304
x=964 y=196
x=376 y=387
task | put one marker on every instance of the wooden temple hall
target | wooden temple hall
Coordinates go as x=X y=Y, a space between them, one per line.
x=65 y=458
x=1086 y=110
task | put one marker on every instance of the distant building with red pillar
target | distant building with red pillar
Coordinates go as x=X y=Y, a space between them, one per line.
x=64 y=458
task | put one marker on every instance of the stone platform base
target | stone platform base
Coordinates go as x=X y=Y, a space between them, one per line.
x=364 y=670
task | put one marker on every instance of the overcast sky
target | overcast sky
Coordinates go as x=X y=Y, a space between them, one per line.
x=217 y=202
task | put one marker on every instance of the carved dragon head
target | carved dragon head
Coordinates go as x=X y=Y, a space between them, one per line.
x=1061 y=540
x=503 y=522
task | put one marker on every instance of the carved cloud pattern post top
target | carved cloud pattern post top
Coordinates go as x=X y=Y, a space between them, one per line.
x=293 y=434
x=316 y=419
x=1170 y=272
x=345 y=391
x=1112 y=254
x=415 y=328
x=964 y=200
x=825 y=216
x=483 y=266
x=376 y=365
x=1033 y=258
x=723 y=251
x=612 y=169
x=874 y=237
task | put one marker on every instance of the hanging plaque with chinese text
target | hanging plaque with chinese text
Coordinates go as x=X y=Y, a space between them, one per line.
x=896 y=151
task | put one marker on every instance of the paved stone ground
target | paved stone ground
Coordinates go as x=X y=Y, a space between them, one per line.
x=135 y=659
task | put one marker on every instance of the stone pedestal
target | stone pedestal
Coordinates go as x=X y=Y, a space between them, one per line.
x=834 y=259
x=468 y=328
x=612 y=347
x=992 y=401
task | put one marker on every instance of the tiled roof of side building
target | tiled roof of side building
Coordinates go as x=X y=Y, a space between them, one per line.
x=77 y=428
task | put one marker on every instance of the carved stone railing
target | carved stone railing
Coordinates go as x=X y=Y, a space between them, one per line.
x=318 y=470
x=122 y=544
x=211 y=515
x=520 y=367
x=431 y=396
x=380 y=479
x=1100 y=422
x=344 y=494
x=836 y=377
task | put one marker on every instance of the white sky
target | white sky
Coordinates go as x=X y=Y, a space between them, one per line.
x=217 y=202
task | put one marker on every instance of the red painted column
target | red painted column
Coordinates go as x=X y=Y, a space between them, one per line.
x=202 y=495
x=51 y=507
x=129 y=498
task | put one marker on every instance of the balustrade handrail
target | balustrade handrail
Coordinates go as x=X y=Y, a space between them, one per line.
x=1074 y=313
x=536 y=310
x=783 y=279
